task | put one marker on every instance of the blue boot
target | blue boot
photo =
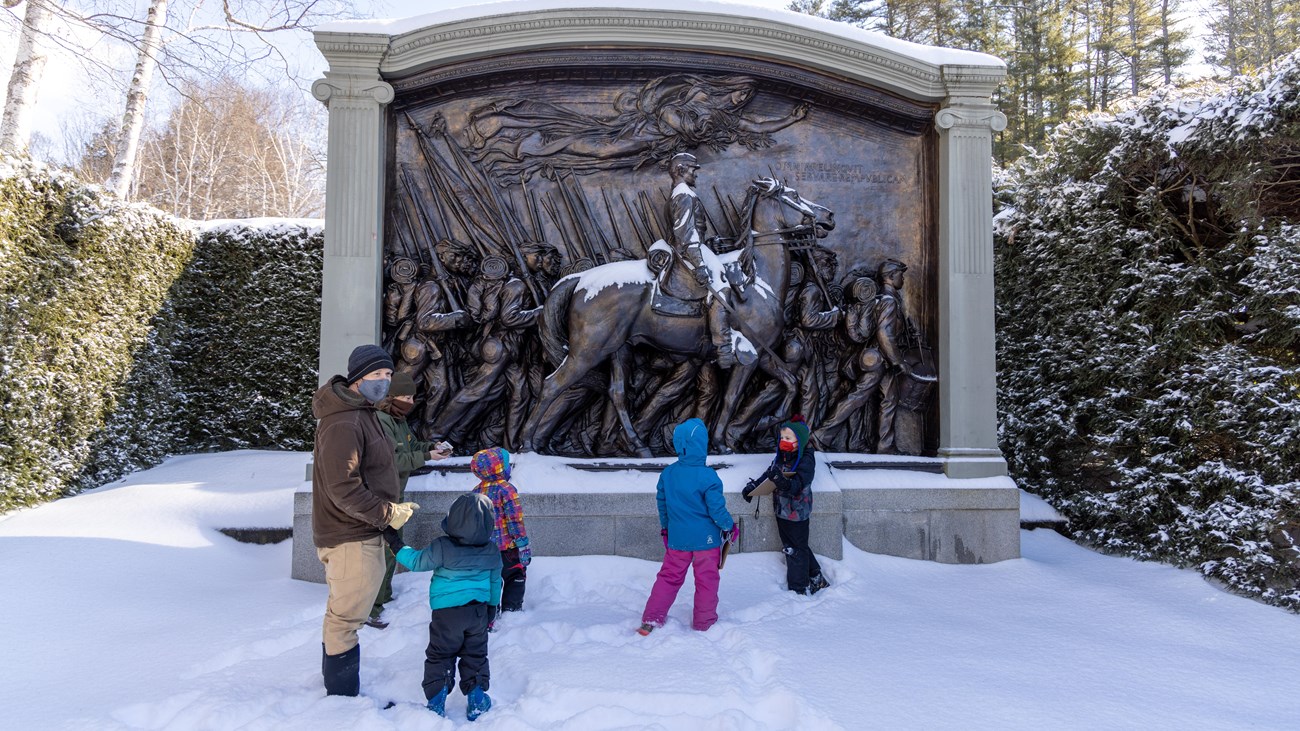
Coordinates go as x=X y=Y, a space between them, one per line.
x=438 y=703
x=479 y=703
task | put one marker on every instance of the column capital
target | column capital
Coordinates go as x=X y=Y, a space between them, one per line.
x=964 y=113
x=351 y=87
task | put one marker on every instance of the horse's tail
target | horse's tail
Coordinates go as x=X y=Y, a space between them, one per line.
x=555 y=321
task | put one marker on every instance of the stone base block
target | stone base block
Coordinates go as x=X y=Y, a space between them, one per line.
x=569 y=512
x=973 y=523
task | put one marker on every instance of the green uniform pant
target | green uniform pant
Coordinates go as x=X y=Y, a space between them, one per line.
x=385 y=594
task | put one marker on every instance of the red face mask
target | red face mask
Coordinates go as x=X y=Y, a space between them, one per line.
x=789 y=445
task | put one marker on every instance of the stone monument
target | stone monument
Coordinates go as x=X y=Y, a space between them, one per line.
x=576 y=225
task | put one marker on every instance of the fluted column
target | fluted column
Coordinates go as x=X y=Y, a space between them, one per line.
x=354 y=196
x=968 y=385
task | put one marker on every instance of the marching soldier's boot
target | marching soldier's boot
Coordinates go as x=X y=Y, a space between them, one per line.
x=721 y=335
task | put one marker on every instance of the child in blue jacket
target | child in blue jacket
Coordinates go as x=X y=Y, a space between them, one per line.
x=463 y=594
x=693 y=515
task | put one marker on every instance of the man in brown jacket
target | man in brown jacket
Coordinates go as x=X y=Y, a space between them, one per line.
x=355 y=495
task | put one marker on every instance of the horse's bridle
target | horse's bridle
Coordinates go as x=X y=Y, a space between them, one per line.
x=757 y=191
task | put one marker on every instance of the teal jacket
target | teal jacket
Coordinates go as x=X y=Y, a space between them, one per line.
x=466 y=564
x=691 y=505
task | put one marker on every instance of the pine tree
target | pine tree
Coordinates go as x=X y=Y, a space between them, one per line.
x=1171 y=50
x=1041 y=81
x=1246 y=35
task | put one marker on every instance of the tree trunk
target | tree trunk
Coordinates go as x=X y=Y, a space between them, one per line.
x=25 y=80
x=1167 y=46
x=124 y=165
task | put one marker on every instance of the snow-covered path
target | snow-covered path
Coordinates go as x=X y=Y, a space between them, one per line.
x=124 y=608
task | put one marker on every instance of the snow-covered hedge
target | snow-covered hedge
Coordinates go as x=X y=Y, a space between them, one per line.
x=126 y=335
x=1148 y=272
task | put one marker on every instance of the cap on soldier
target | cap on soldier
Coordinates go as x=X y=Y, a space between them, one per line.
x=891 y=265
x=683 y=158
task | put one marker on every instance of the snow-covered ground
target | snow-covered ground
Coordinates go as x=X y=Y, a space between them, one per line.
x=125 y=608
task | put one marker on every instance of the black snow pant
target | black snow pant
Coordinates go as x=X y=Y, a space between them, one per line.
x=457 y=632
x=800 y=563
x=513 y=575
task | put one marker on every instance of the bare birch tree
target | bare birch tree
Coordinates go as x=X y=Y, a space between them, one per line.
x=25 y=78
x=228 y=150
x=137 y=95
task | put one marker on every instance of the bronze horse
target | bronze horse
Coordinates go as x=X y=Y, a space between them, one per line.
x=598 y=315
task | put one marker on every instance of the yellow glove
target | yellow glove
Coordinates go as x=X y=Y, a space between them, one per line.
x=402 y=512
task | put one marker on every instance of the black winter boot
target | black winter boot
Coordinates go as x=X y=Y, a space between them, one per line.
x=342 y=672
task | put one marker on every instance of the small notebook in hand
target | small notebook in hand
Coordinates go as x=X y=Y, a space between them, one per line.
x=767 y=487
x=726 y=548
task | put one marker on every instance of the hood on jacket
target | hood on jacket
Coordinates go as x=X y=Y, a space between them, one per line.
x=797 y=425
x=491 y=465
x=691 y=441
x=335 y=397
x=470 y=520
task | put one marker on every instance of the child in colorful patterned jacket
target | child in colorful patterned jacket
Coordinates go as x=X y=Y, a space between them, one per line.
x=492 y=468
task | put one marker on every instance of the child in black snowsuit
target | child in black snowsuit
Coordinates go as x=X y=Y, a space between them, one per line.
x=464 y=594
x=792 y=472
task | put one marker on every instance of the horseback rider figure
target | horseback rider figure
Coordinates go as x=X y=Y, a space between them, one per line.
x=689 y=226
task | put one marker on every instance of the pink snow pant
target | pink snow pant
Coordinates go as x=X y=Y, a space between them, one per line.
x=670 y=578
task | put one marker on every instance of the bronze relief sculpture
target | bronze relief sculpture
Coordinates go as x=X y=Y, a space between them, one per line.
x=574 y=267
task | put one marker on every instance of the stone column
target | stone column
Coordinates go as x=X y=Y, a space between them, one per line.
x=354 y=196
x=968 y=371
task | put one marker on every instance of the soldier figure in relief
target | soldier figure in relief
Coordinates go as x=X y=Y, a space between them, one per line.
x=868 y=364
x=891 y=328
x=504 y=310
x=689 y=225
x=430 y=314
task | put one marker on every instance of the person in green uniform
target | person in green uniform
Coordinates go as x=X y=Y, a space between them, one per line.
x=412 y=454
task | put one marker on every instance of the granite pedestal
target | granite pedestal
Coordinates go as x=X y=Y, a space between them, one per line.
x=571 y=511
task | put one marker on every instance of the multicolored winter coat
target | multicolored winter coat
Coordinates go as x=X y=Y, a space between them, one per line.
x=492 y=468
x=792 y=499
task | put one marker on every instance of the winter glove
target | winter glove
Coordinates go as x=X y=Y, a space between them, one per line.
x=394 y=539
x=782 y=484
x=734 y=536
x=749 y=488
x=402 y=512
x=664 y=534
x=525 y=553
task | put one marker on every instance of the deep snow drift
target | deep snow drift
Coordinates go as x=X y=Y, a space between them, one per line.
x=125 y=608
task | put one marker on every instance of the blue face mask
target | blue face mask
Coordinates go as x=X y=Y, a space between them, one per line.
x=374 y=390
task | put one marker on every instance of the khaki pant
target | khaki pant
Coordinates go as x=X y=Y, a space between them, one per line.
x=353 y=572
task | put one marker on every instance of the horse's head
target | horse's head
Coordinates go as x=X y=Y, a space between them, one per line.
x=813 y=217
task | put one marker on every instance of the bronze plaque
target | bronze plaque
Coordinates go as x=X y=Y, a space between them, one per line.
x=584 y=248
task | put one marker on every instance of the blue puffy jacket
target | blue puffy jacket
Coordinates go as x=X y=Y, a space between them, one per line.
x=691 y=505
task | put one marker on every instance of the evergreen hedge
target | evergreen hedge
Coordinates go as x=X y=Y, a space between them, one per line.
x=127 y=336
x=1148 y=271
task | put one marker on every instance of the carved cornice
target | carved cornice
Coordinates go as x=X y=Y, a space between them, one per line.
x=714 y=29
x=887 y=65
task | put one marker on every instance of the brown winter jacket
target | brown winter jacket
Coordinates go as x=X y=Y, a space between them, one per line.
x=354 y=475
